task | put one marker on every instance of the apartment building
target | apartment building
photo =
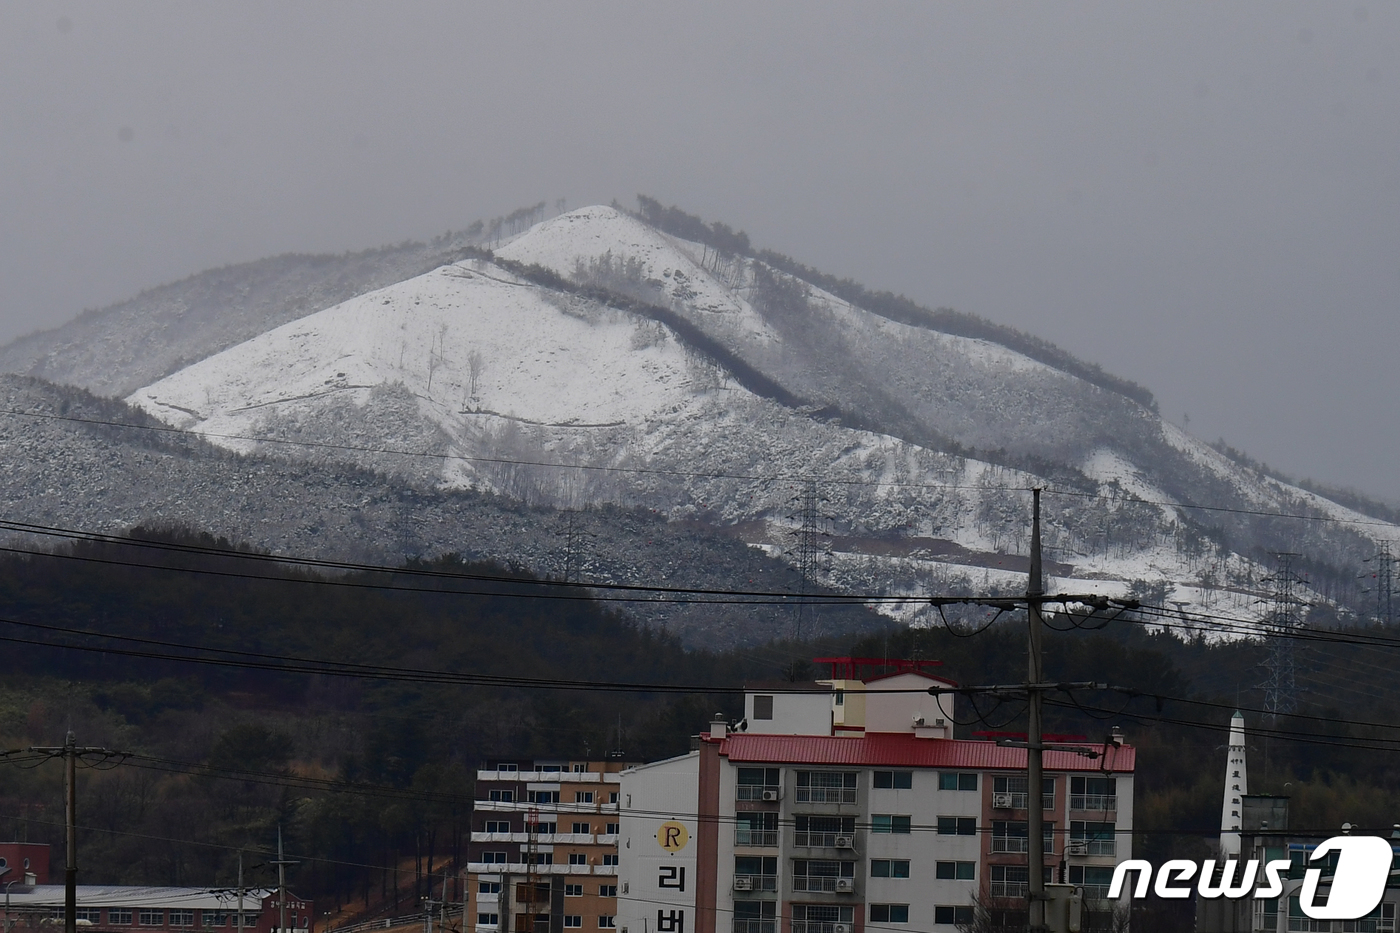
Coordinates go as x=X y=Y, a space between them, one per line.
x=847 y=804
x=543 y=852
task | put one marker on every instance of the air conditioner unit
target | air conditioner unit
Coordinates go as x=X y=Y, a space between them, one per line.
x=845 y=842
x=1001 y=801
x=840 y=928
x=845 y=885
x=743 y=884
x=770 y=795
x=1077 y=848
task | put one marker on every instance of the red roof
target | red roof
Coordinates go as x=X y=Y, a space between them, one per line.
x=898 y=749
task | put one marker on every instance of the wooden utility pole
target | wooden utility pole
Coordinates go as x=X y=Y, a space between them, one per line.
x=70 y=752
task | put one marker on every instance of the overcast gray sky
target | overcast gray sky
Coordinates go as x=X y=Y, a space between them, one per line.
x=1202 y=197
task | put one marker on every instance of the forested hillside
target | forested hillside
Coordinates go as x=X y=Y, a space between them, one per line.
x=352 y=708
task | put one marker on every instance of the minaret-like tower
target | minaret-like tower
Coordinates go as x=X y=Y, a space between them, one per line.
x=1236 y=786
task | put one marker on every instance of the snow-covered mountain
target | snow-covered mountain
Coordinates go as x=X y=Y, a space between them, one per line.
x=598 y=359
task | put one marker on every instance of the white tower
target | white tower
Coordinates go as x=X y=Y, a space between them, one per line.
x=1236 y=786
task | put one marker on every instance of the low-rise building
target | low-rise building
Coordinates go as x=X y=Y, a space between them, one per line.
x=132 y=908
x=847 y=804
x=543 y=851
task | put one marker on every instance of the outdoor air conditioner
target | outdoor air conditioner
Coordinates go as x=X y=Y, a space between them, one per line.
x=743 y=884
x=1077 y=848
x=840 y=928
x=845 y=842
x=770 y=795
x=845 y=885
x=1001 y=801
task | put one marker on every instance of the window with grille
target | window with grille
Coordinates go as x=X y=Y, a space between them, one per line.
x=826 y=787
x=820 y=874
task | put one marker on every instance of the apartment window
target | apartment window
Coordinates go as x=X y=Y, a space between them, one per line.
x=550 y=827
x=840 y=698
x=541 y=858
x=573 y=890
x=1012 y=792
x=211 y=918
x=542 y=796
x=889 y=913
x=757 y=784
x=1096 y=881
x=820 y=918
x=488 y=887
x=898 y=780
x=957 y=826
x=607 y=922
x=1095 y=793
x=822 y=831
x=488 y=920
x=957 y=780
x=889 y=823
x=889 y=868
x=498 y=826
x=494 y=858
x=182 y=918
x=508 y=767
x=1009 y=881
x=583 y=796
x=573 y=921
x=581 y=829
x=118 y=917
x=755 y=917
x=607 y=890
x=94 y=914
x=1092 y=838
x=822 y=875
x=549 y=767
x=578 y=858
x=612 y=797
x=953 y=916
x=612 y=829
x=502 y=796
x=762 y=706
x=955 y=871
x=579 y=769
x=250 y=921
x=756 y=873
x=756 y=829
x=826 y=787
x=151 y=918
x=610 y=860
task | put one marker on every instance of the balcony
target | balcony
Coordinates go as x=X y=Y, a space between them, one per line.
x=1091 y=847
x=823 y=885
x=755 y=926
x=768 y=793
x=1100 y=802
x=1017 y=889
x=1019 y=800
x=1011 y=844
x=824 y=840
x=826 y=795
x=757 y=883
x=755 y=837
x=820 y=926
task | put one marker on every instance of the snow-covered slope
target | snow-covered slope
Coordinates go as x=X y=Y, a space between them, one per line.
x=482 y=375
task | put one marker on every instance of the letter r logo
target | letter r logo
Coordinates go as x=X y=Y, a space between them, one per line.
x=1363 y=866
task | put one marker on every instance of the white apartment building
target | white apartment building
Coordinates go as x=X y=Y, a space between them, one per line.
x=846 y=804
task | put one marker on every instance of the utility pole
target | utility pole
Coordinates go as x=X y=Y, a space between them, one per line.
x=281 y=864
x=1035 y=697
x=238 y=921
x=70 y=751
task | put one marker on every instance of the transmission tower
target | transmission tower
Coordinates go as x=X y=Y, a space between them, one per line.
x=1384 y=577
x=810 y=549
x=1283 y=621
x=574 y=537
